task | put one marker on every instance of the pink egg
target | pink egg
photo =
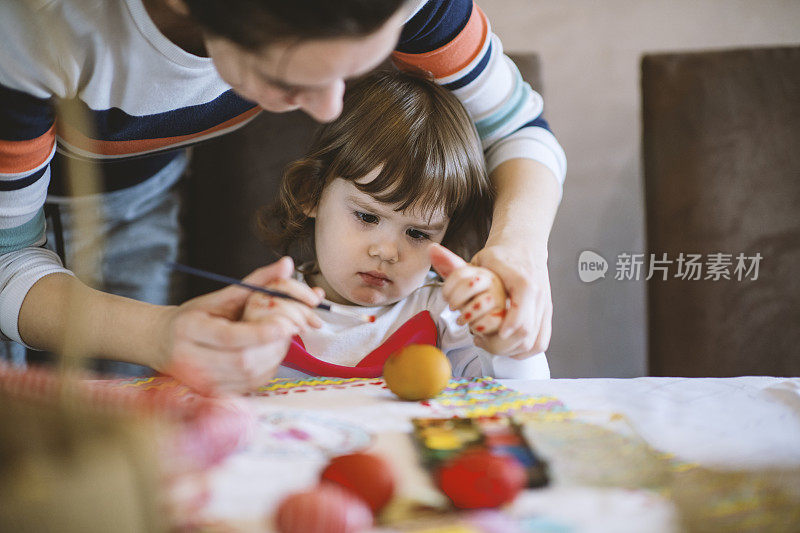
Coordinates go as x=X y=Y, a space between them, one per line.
x=215 y=430
x=326 y=508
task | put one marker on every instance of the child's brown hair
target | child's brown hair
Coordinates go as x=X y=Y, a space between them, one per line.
x=427 y=145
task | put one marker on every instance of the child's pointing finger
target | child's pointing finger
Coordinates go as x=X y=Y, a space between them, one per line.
x=443 y=260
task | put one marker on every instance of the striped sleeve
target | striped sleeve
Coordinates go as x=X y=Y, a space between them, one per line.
x=452 y=41
x=27 y=144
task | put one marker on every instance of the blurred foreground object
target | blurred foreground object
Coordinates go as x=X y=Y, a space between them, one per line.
x=67 y=464
x=96 y=456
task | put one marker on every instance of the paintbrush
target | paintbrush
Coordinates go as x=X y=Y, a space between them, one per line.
x=325 y=306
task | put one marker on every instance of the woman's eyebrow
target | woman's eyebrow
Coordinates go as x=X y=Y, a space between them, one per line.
x=284 y=86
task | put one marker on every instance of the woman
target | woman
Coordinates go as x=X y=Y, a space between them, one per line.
x=159 y=75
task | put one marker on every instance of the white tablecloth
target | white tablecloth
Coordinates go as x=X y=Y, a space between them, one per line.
x=746 y=422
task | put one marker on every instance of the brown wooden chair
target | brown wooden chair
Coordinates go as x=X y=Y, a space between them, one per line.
x=722 y=175
x=236 y=174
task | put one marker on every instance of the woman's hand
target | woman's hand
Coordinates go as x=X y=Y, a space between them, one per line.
x=528 y=323
x=212 y=350
x=288 y=316
x=527 y=194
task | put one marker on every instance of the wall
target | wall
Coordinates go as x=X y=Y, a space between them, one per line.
x=590 y=53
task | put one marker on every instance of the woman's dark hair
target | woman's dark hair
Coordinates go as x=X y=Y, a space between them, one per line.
x=423 y=140
x=256 y=23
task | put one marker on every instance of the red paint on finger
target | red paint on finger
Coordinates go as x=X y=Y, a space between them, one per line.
x=500 y=314
x=479 y=328
x=468 y=316
x=271 y=304
x=476 y=305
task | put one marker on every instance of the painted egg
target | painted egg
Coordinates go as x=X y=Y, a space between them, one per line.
x=327 y=508
x=478 y=479
x=366 y=475
x=214 y=430
x=417 y=372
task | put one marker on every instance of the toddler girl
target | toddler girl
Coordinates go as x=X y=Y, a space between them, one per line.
x=398 y=173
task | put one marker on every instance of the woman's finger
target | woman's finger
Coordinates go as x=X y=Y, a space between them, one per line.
x=218 y=332
x=464 y=284
x=545 y=329
x=488 y=324
x=228 y=302
x=480 y=306
x=206 y=369
x=519 y=301
x=296 y=289
x=261 y=308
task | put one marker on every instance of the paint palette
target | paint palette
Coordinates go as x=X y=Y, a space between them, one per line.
x=439 y=439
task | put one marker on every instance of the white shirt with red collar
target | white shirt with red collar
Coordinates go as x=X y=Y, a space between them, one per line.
x=346 y=347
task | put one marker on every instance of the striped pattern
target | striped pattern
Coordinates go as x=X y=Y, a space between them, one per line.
x=27 y=144
x=27 y=137
x=453 y=58
x=20 y=156
x=452 y=41
x=28 y=233
x=77 y=143
x=140 y=96
x=117 y=134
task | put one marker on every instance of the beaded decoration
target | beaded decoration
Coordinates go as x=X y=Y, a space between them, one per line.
x=155 y=383
x=283 y=385
x=464 y=397
x=474 y=397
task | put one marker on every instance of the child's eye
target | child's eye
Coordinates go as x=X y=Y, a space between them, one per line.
x=366 y=217
x=417 y=235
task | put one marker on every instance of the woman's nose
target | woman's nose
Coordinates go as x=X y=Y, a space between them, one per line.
x=323 y=105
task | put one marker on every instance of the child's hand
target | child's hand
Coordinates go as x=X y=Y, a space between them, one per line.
x=477 y=293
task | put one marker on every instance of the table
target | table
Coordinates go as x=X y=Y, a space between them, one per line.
x=734 y=423
x=743 y=422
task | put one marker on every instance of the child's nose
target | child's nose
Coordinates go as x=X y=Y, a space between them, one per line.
x=385 y=251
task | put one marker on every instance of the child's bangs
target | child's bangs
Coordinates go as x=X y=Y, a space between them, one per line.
x=419 y=172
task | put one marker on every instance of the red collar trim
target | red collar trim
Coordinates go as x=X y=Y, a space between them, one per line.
x=419 y=329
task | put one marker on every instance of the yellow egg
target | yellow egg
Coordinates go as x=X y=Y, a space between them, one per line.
x=417 y=372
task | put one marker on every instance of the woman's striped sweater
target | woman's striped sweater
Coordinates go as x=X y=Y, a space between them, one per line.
x=143 y=95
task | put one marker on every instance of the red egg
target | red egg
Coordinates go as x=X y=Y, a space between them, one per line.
x=326 y=508
x=366 y=475
x=479 y=479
